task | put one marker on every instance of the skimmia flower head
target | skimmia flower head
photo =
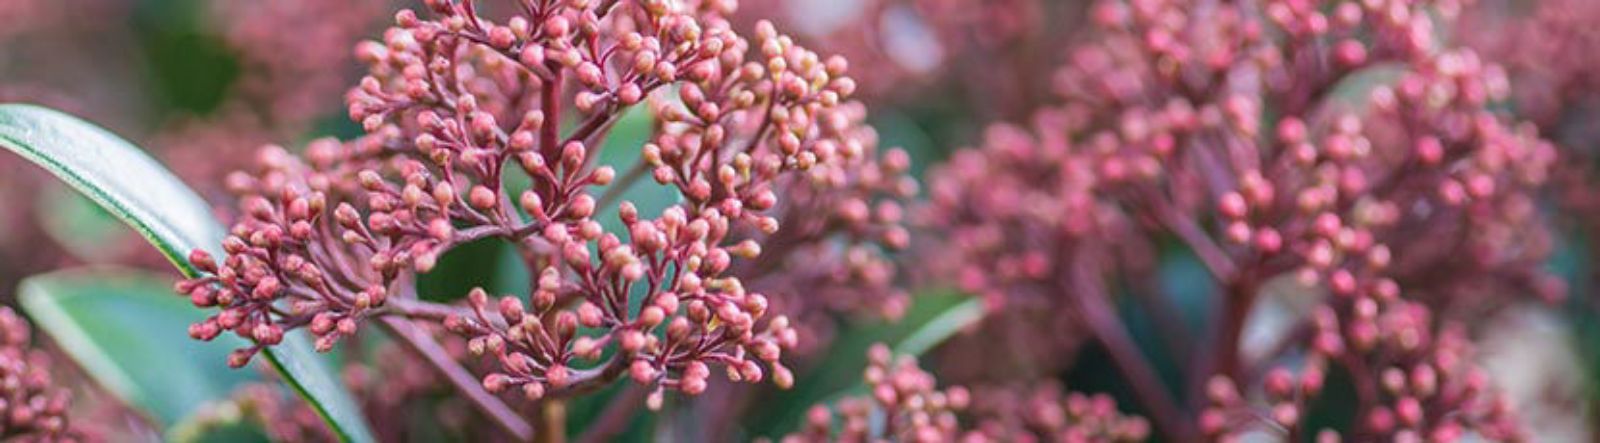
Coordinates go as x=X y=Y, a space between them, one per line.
x=905 y=404
x=32 y=408
x=1333 y=144
x=459 y=106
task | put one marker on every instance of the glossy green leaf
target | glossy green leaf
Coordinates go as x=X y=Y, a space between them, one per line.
x=138 y=190
x=128 y=330
x=932 y=318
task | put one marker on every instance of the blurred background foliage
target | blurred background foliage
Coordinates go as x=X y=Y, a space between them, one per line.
x=202 y=83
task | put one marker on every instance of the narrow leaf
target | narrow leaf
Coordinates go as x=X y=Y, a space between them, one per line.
x=138 y=190
x=128 y=331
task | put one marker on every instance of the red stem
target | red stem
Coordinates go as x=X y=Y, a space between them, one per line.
x=1227 y=329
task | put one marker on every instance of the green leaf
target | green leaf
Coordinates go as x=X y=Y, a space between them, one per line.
x=138 y=190
x=932 y=318
x=491 y=263
x=127 y=330
x=79 y=225
x=622 y=150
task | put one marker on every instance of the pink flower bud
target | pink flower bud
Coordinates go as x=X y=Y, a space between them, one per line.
x=642 y=372
x=589 y=315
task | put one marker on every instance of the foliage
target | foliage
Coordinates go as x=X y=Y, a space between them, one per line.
x=1143 y=220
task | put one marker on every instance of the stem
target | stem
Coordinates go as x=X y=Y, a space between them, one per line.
x=553 y=415
x=551 y=104
x=422 y=310
x=1217 y=261
x=1092 y=300
x=1226 y=330
x=590 y=380
x=414 y=339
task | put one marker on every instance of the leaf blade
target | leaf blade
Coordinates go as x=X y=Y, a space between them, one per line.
x=141 y=192
x=84 y=155
x=89 y=312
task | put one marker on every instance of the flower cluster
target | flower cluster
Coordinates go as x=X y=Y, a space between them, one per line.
x=908 y=400
x=1553 y=85
x=1543 y=46
x=31 y=407
x=840 y=229
x=1333 y=143
x=461 y=108
x=906 y=405
x=1042 y=413
x=1412 y=385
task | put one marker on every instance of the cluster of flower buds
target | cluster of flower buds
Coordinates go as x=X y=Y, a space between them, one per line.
x=841 y=224
x=906 y=404
x=1430 y=156
x=1411 y=386
x=1553 y=81
x=32 y=408
x=291 y=263
x=1042 y=413
x=1254 y=135
x=1543 y=46
x=460 y=109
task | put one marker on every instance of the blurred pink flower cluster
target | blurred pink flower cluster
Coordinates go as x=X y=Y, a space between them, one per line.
x=32 y=407
x=1334 y=145
x=1372 y=164
x=906 y=405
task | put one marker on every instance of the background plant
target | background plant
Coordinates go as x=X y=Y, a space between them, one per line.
x=1210 y=220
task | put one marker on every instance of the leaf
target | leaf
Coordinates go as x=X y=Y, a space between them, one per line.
x=491 y=263
x=622 y=150
x=79 y=225
x=116 y=175
x=933 y=317
x=138 y=190
x=127 y=330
